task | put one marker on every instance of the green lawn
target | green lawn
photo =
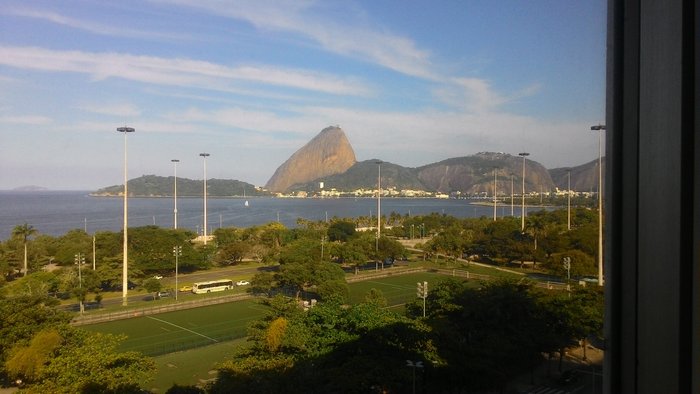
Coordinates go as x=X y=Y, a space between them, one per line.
x=191 y=367
x=185 y=329
x=187 y=344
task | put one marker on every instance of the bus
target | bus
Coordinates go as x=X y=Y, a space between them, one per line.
x=212 y=285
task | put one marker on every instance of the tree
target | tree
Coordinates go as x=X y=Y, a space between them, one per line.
x=89 y=362
x=232 y=253
x=333 y=289
x=341 y=230
x=152 y=285
x=24 y=231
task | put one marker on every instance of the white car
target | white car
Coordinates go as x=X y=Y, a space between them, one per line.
x=242 y=283
x=158 y=277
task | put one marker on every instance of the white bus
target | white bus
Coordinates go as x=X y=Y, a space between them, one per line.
x=212 y=285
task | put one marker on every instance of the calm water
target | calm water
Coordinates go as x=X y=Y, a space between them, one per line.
x=55 y=213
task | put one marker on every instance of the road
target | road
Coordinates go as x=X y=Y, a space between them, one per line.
x=138 y=296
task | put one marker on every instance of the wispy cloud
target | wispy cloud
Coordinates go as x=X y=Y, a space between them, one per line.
x=175 y=71
x=476 y=95
x=124 y=109
x=35 y=120
x=354 y=38
x=92 y=27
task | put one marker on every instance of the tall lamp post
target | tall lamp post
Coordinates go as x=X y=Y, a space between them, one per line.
x=495 y=182
x=522 y=209
x=568 y=199
x=205 y=155
x=511 y=195
x=177 y=252
x=125 y=280
x=599 y=128
x=379 y=203
x=175 y=161
x=80 y=260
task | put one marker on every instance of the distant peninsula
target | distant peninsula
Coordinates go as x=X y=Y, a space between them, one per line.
x=160 y=186
x=30 y=188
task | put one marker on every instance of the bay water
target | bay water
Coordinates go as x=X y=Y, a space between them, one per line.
x=56 y=212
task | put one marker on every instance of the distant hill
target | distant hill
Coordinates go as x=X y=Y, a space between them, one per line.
x=30 y=188
x=326 y=154
x=475 y=174
x=159 y=186
x=584 y=178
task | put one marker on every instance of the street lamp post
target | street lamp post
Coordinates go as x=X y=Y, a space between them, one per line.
x=511 y=195
x=125 y=280
x=80 y=260
x=568 y=199
x=205 y=155
x=414 y=365
x=495 y=183
x=599 y=128
x=175 y=161
x=522 y=209
x=177 y=251
x=379 y=203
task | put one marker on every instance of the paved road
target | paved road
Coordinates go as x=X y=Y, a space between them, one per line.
x=234 y=272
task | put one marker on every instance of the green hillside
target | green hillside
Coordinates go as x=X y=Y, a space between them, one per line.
x=159 y=186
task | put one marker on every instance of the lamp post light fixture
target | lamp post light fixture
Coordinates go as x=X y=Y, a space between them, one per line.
x=205 y=155
x=175 y=161
x=522 y=209
x=414 y=365
x=599 y=128
x=125 y=268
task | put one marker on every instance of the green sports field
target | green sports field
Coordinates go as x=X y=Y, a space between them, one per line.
x=186 y=329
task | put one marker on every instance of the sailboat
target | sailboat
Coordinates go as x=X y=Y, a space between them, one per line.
x=246 y=201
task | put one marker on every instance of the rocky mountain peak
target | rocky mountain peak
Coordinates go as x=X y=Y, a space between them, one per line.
x=326 y=154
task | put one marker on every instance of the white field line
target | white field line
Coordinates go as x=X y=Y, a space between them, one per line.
x=182 y=328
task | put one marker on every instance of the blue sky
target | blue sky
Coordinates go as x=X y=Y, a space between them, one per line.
x=250 y=82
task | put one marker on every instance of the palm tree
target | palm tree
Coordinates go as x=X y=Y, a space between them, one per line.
x=24 y=231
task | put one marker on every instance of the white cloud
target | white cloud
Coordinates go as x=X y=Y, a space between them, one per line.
x=174 y=71
x=351 y=38
x=34 y=120
x=123 y=110
x=117 y=30
x=477 y=95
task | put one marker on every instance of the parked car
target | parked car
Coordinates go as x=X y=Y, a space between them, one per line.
x=242 y=283
x=163 y=294
x=185 y=288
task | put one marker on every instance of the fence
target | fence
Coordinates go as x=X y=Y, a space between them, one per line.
x=105 y=317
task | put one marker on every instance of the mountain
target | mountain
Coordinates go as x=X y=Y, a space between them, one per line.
x=584 y=178
x=468 y=175
x=475 y=174
x=363 y=175
x=326 y=154
x=159 y=186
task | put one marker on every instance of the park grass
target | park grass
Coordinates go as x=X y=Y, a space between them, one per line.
x=184 y=329
x=185 y=356
x=191 y=367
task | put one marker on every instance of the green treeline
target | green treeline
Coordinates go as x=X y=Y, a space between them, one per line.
x=474 y=337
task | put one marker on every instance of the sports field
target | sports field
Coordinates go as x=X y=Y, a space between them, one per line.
x=186 y=329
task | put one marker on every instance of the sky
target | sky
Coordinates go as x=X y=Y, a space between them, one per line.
x=250 y=82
